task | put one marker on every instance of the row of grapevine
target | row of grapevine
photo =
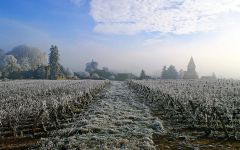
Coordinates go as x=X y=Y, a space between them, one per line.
x=29 y=106
x=211 y=106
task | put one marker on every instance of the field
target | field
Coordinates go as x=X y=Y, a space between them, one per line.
x=196 y=111
x=136 y=114
x=30 y=109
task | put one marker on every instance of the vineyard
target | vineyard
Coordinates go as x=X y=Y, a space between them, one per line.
x=137 y=114
x=208 y=106
x=116 y=120
x=30 y=109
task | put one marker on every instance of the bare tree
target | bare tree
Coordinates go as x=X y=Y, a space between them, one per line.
x=11 y=64
x=34 y=55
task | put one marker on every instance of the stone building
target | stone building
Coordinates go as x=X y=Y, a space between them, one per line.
x=191 y=70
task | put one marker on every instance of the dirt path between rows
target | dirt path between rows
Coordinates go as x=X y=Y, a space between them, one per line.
x=117 y=120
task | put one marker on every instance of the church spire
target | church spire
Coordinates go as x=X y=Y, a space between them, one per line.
x=191 y=72
x=191 y=65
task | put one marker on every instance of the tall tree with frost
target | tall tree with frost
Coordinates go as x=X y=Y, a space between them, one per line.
x=25 y=66
x=54 y=62
x=11 y=64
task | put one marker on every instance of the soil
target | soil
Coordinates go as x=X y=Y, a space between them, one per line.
x=16 y=143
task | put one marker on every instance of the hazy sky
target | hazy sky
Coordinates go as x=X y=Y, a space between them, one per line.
x=129 y=35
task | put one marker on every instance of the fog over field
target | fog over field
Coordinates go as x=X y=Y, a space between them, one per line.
x=129 y=35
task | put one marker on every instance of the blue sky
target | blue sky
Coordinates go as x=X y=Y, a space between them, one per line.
x=56 y=18
x=129 y=35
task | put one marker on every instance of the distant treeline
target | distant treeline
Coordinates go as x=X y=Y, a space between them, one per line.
x=26 y=62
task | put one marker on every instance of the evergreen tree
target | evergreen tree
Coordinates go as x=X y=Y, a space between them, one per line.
x=40 y=73
x=164 y=73
x=169 y=73
x=142 y=75
x=54 y=62
x=172 y=72
x=91 y=66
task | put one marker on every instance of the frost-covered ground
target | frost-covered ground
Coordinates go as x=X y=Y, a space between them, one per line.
x=117 y=120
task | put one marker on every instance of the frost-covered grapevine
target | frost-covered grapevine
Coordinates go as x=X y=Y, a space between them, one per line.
x=42 y=104
x=212 y=106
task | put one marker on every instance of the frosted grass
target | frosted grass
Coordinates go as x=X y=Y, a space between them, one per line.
x=116 y=121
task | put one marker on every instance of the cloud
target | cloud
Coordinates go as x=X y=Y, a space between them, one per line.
x=163 y=16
